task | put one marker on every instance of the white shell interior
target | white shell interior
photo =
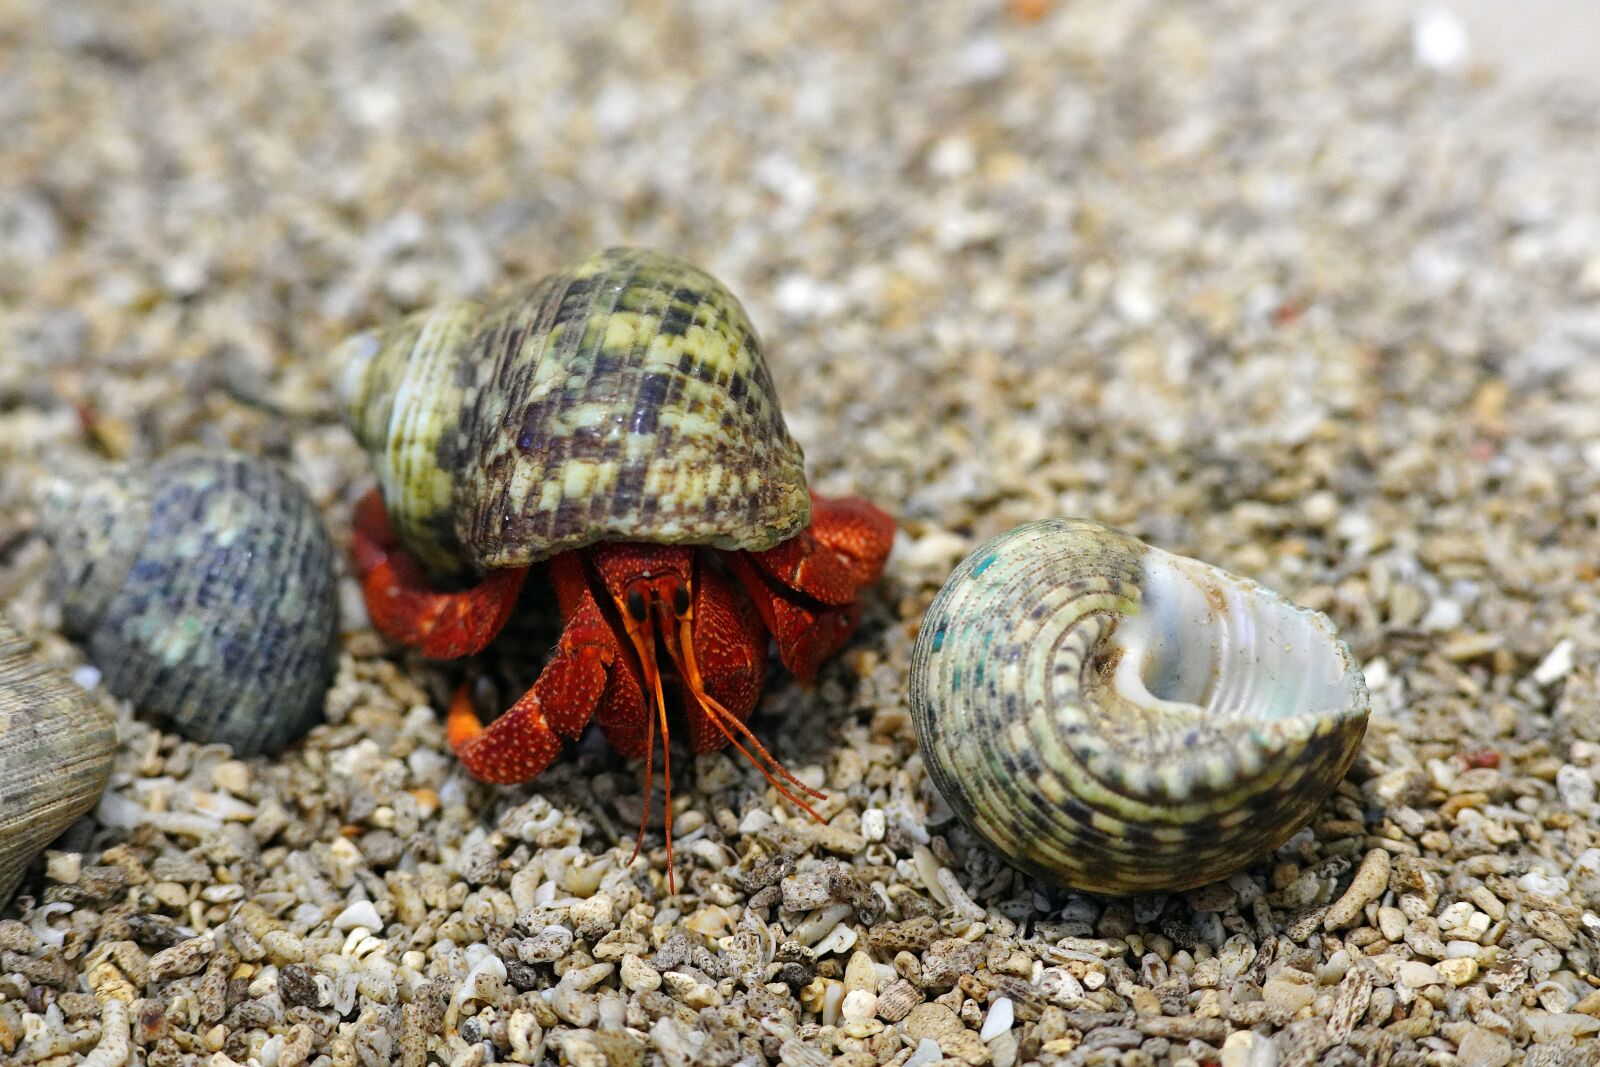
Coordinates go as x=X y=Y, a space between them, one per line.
x=1208 y=639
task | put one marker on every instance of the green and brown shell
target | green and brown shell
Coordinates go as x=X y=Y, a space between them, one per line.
x=203 y=586
x=56 y=749
x=624 y=399
x=1124 y=720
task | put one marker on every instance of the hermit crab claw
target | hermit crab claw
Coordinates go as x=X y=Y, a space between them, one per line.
x=1123 y=719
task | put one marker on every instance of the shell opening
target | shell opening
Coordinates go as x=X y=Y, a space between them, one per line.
x=1204 y=639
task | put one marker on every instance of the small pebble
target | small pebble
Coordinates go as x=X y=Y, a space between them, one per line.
x=1392 y=923
x=1483 y=1048
x=360 y=913
x=1417 y=975
x=998 y=1020
x=874 y=824
x=638 y=975
x=1369 y=883
x=859 y=1006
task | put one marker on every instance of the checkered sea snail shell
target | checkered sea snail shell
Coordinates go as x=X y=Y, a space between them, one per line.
x=623 y=399
x=203 y=586
x=56 y=747
x=1123 y=720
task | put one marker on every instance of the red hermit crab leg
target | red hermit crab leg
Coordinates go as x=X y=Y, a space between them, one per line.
x=583 y=678
x=644 y=643
x=678 y=631
x=406 y=607
x=805 y=588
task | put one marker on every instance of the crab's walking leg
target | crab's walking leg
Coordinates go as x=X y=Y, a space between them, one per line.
x=719 y=648
x=404 y=605
x=580 y=679
x=725 y=653
x=805 y=588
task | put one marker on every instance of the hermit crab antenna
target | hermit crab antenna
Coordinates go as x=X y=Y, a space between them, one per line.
x=644 y=644
x=682 y=651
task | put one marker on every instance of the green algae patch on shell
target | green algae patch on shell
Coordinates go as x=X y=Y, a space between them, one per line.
x=56 y=750
x=1124 y=720
x=203 y=587
x=624 y=399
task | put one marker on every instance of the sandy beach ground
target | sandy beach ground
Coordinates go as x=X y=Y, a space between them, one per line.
x=1285 y=287
x=1530 y=45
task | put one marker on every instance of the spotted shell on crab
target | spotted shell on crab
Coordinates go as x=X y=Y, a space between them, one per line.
x=1123 y=720
x=203 y=588
x=625 y=398
x=616 y=419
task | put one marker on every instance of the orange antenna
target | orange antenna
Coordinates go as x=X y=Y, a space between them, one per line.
x=682 y=650
x=646 y=647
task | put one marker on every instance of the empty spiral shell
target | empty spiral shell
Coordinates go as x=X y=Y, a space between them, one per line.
x=1122 y=719
x=203 y=586
x=56 y=749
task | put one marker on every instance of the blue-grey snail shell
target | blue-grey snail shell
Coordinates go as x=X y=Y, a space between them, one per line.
x=203 y=586
x=1120 y=719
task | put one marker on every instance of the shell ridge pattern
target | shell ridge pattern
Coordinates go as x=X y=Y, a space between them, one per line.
x=531 y=359
x=274 y=628
x=643 y=428
x=1116 y=744
x=105 y=520
x=188 y=581
x=412 y=465
x=401 y=389
x=509 y=352
x=226 y=625
x=1029 y=734
x=626 y=399
x=57 y=745
x=597 y=415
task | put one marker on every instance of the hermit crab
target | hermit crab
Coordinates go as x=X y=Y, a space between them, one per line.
x=618 y=420
x=203 y=587
x=1122 y=719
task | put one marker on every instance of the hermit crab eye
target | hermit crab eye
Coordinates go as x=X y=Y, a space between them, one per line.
x=680 y=600
x=636 y=605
